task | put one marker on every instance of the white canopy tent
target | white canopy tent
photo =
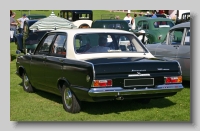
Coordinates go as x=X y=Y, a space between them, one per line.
x=52 y=23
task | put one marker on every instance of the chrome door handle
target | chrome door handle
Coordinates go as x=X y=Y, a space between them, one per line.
x=61 y=60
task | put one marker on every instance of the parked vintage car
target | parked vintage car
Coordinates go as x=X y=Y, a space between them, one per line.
x=155 y=28
x=95 y=65
x=176 y=46
x=36 y=16
x=115 y=24
x=80 y=18
x=185 y=17
x=28 y=40
x=158 y=15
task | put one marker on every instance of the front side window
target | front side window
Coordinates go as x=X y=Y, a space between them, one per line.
x=107 y=43
x=69 y=15
x=175 y=36
x=139 y=25
x=187 y=37
x=145 y=25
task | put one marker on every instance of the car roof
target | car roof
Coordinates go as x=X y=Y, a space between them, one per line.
x=36 y=15
x=157 y=19
x=109 y=20
x=78 y=11
x=92 y=30
x=182 y=25
x=156 y=15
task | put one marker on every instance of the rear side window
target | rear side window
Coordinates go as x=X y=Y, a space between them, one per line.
x=160 y=24
x=187 y=37
x=58 y=47
x=45 y=45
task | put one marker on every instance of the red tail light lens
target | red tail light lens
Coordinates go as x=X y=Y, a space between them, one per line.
x=101 y=83
x=174 y=79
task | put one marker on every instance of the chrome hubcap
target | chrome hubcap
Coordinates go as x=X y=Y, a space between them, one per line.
x=68 y=98
x=26 y=82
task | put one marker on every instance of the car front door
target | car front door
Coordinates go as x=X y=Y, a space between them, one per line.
x=169 y=48
x=38 y=62
x=54 y=63
x=184 y=55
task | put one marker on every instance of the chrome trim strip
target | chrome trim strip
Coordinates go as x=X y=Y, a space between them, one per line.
x=132 y=75
x=116 y=91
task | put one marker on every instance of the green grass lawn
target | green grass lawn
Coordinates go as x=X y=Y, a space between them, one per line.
x=96 y=13
x=42 y=106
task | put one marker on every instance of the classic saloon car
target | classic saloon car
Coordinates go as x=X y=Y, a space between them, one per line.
x=36 y=16
x=185 y=17
x=116 y=24
x=80 y=18
x=155 y=28
x=176 y=46
x=95 y=65
x=28 y=40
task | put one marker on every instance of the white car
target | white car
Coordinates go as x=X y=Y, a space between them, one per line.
x=176 y=46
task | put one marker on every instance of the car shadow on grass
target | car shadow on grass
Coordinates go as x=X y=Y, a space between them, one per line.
x=121 y=106
x=186 y=84
x=107 y=107
x=13 y=57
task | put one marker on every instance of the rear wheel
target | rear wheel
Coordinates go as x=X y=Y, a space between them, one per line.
x=26 y=84
x=70 y=102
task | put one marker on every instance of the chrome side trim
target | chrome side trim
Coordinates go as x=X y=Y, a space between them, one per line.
x=117 y=91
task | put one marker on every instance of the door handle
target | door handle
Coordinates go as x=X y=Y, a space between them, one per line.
x=61 y=60
x=44 y=57
x=176 y=46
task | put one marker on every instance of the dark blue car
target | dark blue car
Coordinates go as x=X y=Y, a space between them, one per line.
x=28 y=39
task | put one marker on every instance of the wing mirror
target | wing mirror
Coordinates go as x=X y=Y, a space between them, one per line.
x=18 y=52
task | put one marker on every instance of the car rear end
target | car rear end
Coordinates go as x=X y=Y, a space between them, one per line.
x=135 y=78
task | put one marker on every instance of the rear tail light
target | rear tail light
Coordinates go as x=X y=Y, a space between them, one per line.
x=174 y=79
x=101 y=83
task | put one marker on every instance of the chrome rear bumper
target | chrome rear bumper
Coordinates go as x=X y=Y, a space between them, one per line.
x=118 y=91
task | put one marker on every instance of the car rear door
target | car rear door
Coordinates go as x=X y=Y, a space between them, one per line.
x=54 y=62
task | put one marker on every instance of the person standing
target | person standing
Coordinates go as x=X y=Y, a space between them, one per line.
x=128 y=18
x=21 y=21
x=154 y=14
x=13 y=27
x=133 y=20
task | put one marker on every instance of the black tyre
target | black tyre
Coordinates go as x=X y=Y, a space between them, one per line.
x=26 y=84
x=70 y=102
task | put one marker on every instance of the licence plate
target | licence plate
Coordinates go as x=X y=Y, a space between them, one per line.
x=139 y=82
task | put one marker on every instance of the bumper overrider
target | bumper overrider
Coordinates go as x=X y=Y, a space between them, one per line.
x=119 y=91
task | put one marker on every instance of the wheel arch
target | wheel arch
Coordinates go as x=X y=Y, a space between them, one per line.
x=21 y=70
x=84 y=25
x=61 y=81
